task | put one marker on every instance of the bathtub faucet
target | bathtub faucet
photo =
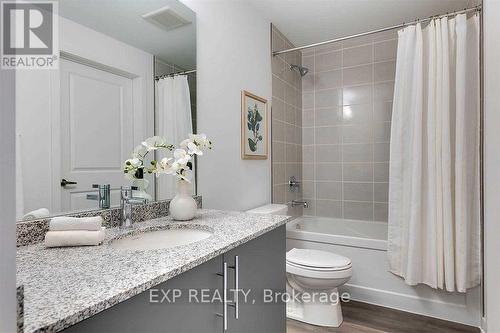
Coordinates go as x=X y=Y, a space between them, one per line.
x=295 y=203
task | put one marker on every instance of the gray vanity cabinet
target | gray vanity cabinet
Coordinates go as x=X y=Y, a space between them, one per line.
x=261 y=266
x=139 y=315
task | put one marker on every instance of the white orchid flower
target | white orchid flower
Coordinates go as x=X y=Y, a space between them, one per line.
x=181 y=157
x=139 y=152
x=165 y=167
x=193 y=149
x=185 y=143
x=154 y=142
x=201 y=141
x=135 y=162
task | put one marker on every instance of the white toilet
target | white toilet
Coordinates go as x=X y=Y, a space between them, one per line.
x=316 y=274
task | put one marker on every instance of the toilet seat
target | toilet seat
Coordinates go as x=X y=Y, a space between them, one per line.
x=304 y=271
x=318 y=264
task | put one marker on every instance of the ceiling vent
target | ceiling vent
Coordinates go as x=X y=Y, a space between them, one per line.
x=166 y=18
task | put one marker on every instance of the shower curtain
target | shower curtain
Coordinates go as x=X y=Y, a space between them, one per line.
x=174 y=121
x=434 y=210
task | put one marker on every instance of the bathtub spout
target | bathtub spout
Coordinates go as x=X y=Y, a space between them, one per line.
x=295 y=203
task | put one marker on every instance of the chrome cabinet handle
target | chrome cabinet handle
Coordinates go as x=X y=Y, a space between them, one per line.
x=65 y=182
x=224 y=294
x=236 y=268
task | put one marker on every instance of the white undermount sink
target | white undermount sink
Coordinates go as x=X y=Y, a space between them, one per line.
x=160 y=239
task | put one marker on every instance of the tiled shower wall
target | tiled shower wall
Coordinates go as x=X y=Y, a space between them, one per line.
x=286 y=122
x=347 y=102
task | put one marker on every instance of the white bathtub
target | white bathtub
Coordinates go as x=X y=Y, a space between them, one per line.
x=366 y=234
x=365 y=243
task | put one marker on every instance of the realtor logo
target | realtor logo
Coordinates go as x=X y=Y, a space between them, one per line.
x=29 y=35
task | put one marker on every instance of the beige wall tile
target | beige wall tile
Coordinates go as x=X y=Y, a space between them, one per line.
x=381 y=172
x=328 y=98
x=308 y=190
x=278 y=152
x=307 y=135
x=360 y=113
x=358 y=191
x=382 y=132
x=327 y=61
x=357 y=133
x=383 y=91
x=357 y=75
x=382 y=111
x=380 y=212
x=329 y=116
x=308 y=154
x=385 y=50
x=329 y=208
x=278 y=173
x=278 y=88
x=308 y=100
x=278 y=130
x=357 y=55
x=357 y=95
x=357 y=153
x=381 y=192
x=278 y=109
x=279 y=194
x=307 y=170
x=358 y=172
x=329 y=190
x=328 y=153
x=328 y=172
x=327 y=135
x=290 y=114
x=328 y=80
x=384 y=71
x=290 y=152
x=358 y=210
x=381 y=152
x=308 y=117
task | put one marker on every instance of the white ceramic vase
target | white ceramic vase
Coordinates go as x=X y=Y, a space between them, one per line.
x=183 y=207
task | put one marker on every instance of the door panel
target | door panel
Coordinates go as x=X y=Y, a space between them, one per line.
x=97 y=131
x=261 y=266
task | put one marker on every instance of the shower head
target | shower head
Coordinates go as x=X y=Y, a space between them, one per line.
x=301 y=70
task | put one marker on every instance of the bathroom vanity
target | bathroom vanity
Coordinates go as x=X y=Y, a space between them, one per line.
x=110 y=289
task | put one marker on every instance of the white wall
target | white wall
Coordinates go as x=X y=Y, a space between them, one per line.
x=492 y=163
x=37 y=100
x=7 y=203
x=233 y=54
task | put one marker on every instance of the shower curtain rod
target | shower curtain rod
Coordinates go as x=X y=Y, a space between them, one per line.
x=174 y=74
x=402 y=25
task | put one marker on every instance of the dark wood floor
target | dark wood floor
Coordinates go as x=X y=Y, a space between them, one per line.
x=366 y=318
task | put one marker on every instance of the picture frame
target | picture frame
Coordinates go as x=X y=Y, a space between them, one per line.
x=254 y=119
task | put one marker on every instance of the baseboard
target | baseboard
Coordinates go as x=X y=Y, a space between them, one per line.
x=422 y=306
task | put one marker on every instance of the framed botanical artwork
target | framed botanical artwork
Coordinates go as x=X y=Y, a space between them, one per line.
x=254 y=119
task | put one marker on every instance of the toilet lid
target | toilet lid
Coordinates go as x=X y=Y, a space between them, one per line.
x=316 y=258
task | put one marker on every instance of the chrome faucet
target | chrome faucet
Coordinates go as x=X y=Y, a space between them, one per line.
x=126 y=201
x=295 y=203
x=293 y=183
x=103 y=195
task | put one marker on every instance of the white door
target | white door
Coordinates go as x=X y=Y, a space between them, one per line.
x=97 y=132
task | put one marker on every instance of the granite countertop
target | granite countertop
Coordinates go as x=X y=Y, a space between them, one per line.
x=63 y=286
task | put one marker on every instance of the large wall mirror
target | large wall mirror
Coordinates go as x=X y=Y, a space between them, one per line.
x=127 y=71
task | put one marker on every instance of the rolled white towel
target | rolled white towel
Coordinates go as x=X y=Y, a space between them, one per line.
x=62 y=223
x=39 y=213
x=74 y=238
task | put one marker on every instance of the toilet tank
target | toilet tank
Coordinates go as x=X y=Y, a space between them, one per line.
x=273 y=209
